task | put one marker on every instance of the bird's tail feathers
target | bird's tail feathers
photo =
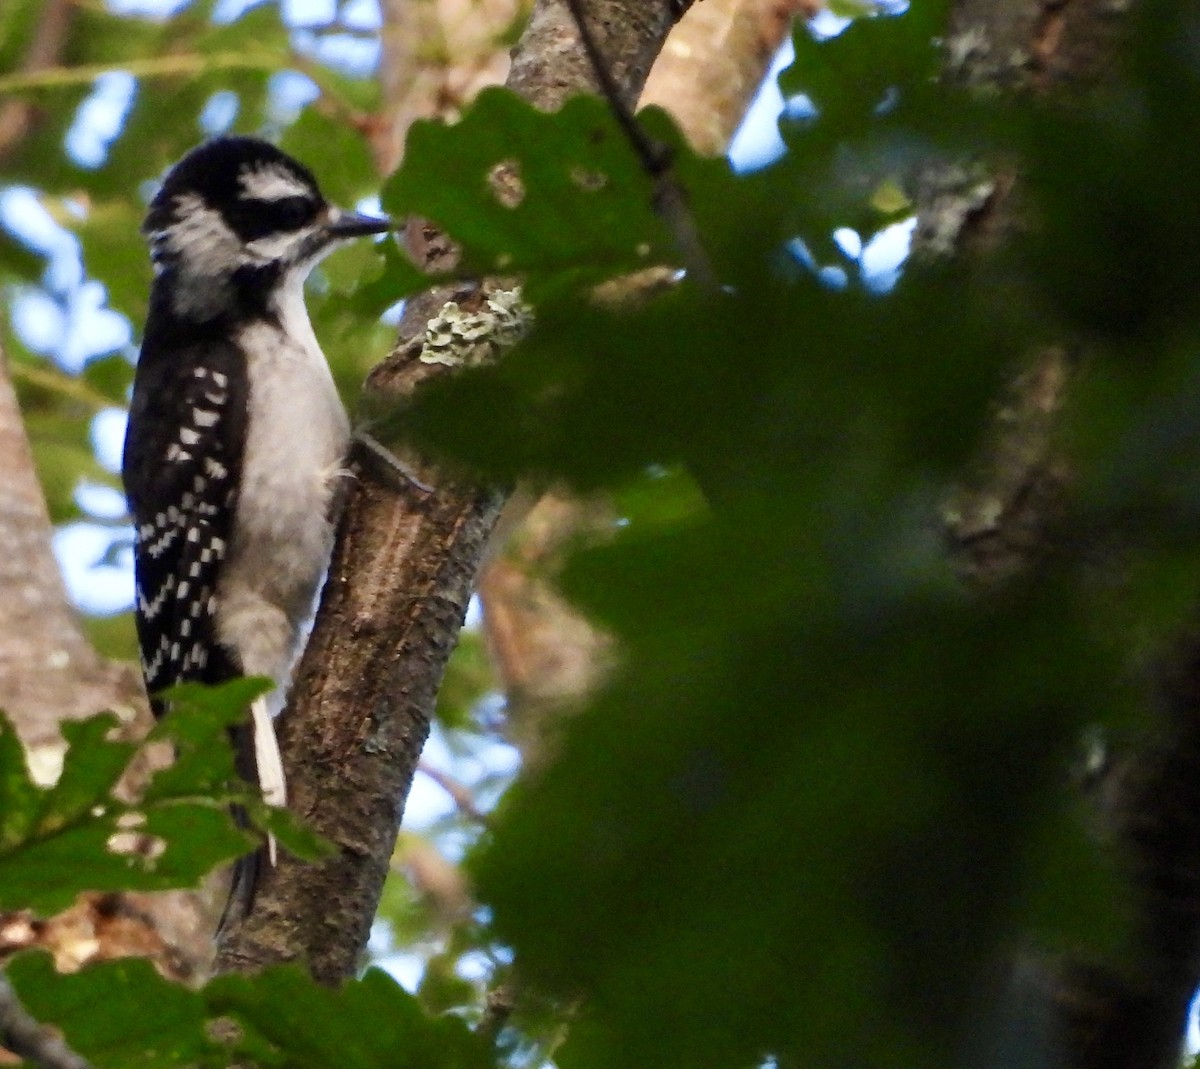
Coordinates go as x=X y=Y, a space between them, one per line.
x=258 y=760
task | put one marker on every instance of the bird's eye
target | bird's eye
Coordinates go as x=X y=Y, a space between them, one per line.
x=291 y=213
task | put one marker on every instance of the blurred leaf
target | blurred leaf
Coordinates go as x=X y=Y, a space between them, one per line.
x=110 y=376
x=469 y=676
x=61 y=463
x=17 y=261
x=113 y=247
x=17 y=22
x=59 y=841
x=339 y=154
x=284 y=1019
x=442 y=988
x=367 y=1023
x=148 y=1022
x=401 y=908
x=113 y=637
x=757 y=771
x=851 y=78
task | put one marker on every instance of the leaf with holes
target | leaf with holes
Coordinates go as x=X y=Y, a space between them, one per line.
x=81 y=834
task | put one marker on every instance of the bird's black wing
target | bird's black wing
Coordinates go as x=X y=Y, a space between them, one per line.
x=182 y=463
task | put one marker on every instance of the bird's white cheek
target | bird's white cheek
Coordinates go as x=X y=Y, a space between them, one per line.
x=200 y=238
x=275 y=248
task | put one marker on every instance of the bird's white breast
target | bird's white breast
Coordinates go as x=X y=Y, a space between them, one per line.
x=296 y=441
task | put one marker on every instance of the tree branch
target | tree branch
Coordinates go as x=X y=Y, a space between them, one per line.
x=437 y=55
x=48 y=668
x=48 y=39
x=24 y=1036
x=714 y=63
x=670 y=201
x=402 y=572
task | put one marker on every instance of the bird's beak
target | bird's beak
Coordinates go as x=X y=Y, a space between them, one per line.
x=344 y=224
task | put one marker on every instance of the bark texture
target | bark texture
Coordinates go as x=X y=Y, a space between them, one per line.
x=403 y=569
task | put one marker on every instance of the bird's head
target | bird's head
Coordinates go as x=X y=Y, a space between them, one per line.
x=238 y=217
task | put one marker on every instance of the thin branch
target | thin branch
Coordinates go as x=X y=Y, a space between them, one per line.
x=655 y=158
x=152 y=67
x=29 y=1039
x=459 y=793
x=49 y=36
x=497 y=1009
x=68 y=386
x=186 y=63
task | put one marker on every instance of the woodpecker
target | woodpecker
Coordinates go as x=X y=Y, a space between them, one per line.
x=236 y=435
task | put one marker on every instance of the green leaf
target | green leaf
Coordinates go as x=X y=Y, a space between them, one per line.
x=576 y=199
x=284 y=1019
x=79 y=836
x=469 y=676
x=147 y=1022
x=778 y=754
x=197 y=724
x=110 y=376
x=370 y=1023
x=339 y=154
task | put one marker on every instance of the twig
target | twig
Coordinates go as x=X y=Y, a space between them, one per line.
x=458 y=792
x=655 y=159
x=48 y=39
x=29 y=1039
x=150 y=67
x=497 y=1009
x=48 y=378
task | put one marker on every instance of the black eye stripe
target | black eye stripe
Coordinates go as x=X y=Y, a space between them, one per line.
x=292 y=212
x=257 y=218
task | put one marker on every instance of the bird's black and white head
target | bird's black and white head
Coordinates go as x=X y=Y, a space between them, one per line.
x=236 y=221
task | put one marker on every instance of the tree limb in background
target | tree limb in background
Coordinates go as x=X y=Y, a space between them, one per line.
x=402 y=572
x=34 y=1042
x=1146 y=800
x=714 y=62
x=49 y=672
x=546 y=653
x=50 y=35
x=437 y=55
